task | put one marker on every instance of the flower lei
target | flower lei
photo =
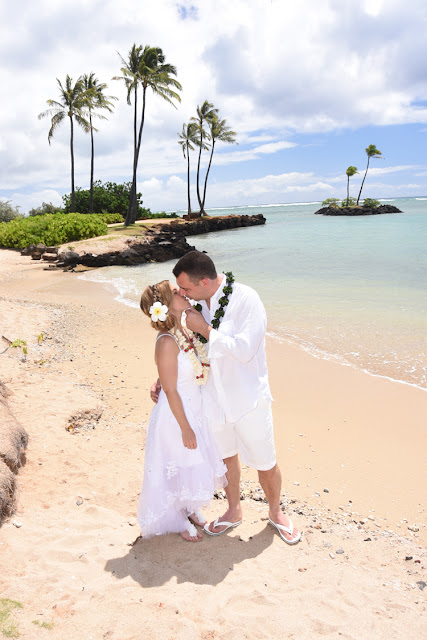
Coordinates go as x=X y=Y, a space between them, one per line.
x=196 y=352
x=223 y=302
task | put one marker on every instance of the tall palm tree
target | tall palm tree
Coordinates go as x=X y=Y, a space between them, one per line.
x=372 y=152
x=72 y=105
x=187 y=139
x=350 y=172
x=218 y=130
x=95 y=99
x=205 y=113
x=155 y=74
x=130 y=71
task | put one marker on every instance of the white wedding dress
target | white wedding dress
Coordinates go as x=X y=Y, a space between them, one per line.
x=177 y=480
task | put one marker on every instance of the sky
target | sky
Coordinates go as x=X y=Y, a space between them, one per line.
x=306 y=85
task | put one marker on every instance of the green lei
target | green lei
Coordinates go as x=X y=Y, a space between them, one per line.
x=223 y=302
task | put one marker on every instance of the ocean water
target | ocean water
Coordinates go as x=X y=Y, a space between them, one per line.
x=347 y=289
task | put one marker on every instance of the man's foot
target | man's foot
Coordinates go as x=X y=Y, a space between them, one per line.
x=191 y=534
x=229 y=518
x=291 y=536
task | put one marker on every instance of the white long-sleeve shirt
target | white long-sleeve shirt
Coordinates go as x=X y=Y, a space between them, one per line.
x=238 y=376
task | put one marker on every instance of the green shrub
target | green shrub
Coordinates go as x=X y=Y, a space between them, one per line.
x=330 y=202
x=8 y=212
x=109 y=197
x=162 y=214
x=370 y=202
x=110 y=218
x=50 y=229
x=351 y=202
x=46 y=207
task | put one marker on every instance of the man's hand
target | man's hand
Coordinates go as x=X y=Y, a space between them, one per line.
x=189 y=439
x=155 y=390
x=197 y=323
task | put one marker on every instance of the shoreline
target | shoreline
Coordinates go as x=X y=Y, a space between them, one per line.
x=78 y=491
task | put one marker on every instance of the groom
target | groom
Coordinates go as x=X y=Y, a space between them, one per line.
x=237 y=396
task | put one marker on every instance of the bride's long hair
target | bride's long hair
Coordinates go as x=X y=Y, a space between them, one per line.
x=160 y=292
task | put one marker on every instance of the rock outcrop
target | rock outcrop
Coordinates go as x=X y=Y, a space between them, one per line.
x=358 y=211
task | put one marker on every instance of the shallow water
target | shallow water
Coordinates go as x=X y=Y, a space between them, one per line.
x=352 y=289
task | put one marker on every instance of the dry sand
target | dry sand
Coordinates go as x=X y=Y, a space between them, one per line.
x=70 y=564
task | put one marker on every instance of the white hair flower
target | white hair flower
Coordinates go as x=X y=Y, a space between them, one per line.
x=158 y=311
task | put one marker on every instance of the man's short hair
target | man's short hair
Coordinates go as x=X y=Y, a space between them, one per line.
x=196 y=265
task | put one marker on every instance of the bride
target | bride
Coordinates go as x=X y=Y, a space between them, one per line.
x=182 y=465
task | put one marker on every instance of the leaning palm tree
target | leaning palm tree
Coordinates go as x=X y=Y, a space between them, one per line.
x=205 y=113
x=350 y=172
x=152 y=73
x=218 y=130
x=187 y=139
x=372 y=152
x=72 y=105
x=95 y=99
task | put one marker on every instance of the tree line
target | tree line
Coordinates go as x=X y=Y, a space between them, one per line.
x=144 y=68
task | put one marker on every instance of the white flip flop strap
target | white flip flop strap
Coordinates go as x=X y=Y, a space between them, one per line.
x=286 y=529
x=191 y=529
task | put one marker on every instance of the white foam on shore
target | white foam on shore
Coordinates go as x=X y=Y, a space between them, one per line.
x=321 y=354
x=117 y=285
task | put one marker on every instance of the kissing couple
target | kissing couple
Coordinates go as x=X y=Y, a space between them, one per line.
x=213 y=403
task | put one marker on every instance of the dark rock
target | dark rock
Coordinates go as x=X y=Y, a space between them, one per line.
x=41 y=247
x=357 y=211
x=28 y=250
x=50 y=257
x=52 y=249
x=69 y=257
x=422 y=585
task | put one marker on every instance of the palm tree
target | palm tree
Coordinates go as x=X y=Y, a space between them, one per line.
x=187 y=139
x=131 y=79
x=72 y=105
x=205 y=113
x=153 y=73
x=350 y=172
x=218 y=130
x=95 y=99
x=372 y=152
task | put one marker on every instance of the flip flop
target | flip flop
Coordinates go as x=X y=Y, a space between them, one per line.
x=223 y=523
x=281 y=527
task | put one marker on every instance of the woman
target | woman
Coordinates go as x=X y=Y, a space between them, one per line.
x=182 y=466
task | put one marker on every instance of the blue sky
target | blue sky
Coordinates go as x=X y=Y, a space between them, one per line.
x=306 y=86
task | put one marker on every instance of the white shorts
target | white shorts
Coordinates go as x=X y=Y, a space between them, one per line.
x=252 y=436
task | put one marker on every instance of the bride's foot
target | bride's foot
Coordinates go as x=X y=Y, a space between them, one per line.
x=198 y=518
x=191 y=534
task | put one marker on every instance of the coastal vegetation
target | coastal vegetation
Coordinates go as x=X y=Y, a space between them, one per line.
x=145 y=68
x=8 y=211
x=371 y=152
x=203 y=131
x=51 y=229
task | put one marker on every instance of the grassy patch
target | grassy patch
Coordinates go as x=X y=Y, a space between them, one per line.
x=45 y=625
x=7 y=626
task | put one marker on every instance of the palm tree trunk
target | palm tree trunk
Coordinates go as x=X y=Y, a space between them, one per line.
x=198 y=169
x=92 y=156
x=363 y=181
x=132 y=195
x=202 y=209
x=133 y=209
x=188 y=181
x=73 y=196
x=348 y=189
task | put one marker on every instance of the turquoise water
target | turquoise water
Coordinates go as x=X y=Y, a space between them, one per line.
x=348 y=289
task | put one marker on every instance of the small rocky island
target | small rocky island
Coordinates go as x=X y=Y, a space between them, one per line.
x=362 y=210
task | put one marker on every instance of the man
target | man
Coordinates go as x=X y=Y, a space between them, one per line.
x=237 y=395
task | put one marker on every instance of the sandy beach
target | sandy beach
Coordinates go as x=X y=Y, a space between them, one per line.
x=351 y=447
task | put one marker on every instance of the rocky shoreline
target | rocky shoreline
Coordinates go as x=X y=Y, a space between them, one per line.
x=160 y=243
x=357 y=211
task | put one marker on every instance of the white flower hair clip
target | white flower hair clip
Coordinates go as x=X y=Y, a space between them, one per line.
x=158 y=311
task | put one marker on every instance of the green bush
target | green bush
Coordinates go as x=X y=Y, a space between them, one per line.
x=46 y=207
x=370 y=202
x=8 y=212
x=330 y=202
x=162 y=214
x=351 y=202
x=50 y=229
x=109 y=197
x=110 y=218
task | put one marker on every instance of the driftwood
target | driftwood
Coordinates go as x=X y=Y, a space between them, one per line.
x=13 y=441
